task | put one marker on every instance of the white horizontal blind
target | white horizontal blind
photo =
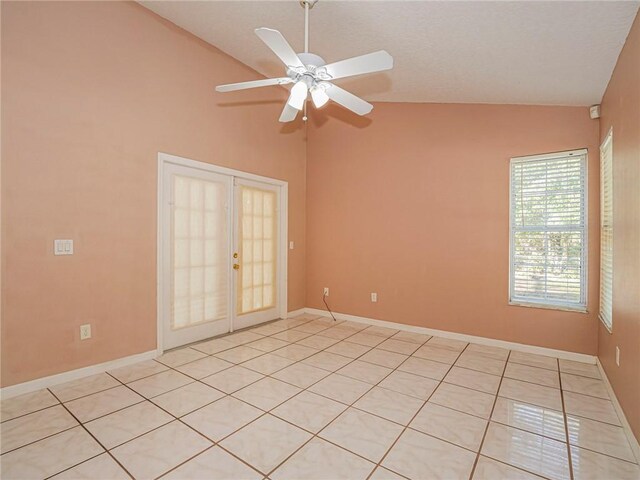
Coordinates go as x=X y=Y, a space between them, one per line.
x=549 y=230
x=199 y=251
x=606 y=232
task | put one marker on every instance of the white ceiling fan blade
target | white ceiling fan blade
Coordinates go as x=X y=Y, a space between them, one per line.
x=369 y=63
x=348 y=100
x=288 y=113
x=253 y=84
x=276 y=42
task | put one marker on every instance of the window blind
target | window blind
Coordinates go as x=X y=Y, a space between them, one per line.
x=606 y=232
x=258 y=233
x=199 y=251
x=549 y=230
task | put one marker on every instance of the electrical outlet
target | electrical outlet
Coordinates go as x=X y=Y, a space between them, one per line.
x=63 y=247
x=374 y=297
x=618 y=356
x=85 y=331
x=325 y=292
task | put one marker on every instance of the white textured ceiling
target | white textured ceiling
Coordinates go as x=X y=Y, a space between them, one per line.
x=521 y=52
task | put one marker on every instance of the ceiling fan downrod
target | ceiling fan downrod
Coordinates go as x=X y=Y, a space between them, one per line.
x=310 y=74
x=307 y=5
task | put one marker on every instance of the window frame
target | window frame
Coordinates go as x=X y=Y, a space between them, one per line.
x=584 y=280
x=606 y=144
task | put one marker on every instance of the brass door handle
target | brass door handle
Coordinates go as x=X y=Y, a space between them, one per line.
x=236 y=266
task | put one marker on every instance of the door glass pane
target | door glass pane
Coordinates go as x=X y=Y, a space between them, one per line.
x=257 y=232
x=199 y=252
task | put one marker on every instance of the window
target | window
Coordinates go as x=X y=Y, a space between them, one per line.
x=548 y=238
x=606 y=231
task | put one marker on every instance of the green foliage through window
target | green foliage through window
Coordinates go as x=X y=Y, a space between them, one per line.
x=548 y=230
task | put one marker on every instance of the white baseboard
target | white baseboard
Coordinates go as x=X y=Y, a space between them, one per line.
x=33 y=385
x=44 y=382
x=521 y=347
x=633 y=441
x=295 y=313
x=578 y=357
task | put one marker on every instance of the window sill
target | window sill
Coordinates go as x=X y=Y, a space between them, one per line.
x=549 y=307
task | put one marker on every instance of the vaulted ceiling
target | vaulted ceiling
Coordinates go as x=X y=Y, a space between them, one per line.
x=520 y=52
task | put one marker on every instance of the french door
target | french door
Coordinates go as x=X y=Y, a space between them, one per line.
x=256 y=252
x=220 y=248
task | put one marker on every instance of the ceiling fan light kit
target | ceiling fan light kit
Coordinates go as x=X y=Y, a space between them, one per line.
x=311 y=75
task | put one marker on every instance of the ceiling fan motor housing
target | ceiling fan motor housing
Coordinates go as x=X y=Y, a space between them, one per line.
x=310 y=74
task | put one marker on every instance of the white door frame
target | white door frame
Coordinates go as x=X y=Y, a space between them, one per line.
x=164 y=159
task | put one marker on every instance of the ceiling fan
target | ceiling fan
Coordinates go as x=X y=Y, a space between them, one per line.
x=309 y=73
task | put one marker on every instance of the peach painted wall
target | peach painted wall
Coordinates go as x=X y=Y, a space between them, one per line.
x=413 y=203
x=621 y=110
x=91 y=92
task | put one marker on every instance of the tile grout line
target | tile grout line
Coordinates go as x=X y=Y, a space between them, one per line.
x=81 y=396
x=168 y=367
x=515 y=467
x=330 y=372
x=313 y=435
x=195 y=380
x=301 y=361
x=565 y=422
x=240 y=428
x=352 y=405
x=94 y=438
x=63 y=404
x=495 y=400
x=74 y=426
x=379 y=465
x=40 y=439
x=175 y=418
x=210 y=447
x=316 y=435
x=34 y=411
x=82 y=463
x=562 y=391
x=384 y=338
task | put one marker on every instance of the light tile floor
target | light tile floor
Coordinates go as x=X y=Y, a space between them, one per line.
x=307 y=398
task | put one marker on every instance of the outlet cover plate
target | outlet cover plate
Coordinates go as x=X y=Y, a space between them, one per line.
x=63 y=247
x=85 y=331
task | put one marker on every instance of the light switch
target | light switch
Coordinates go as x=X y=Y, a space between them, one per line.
x=291 y=245
x=63 y=247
